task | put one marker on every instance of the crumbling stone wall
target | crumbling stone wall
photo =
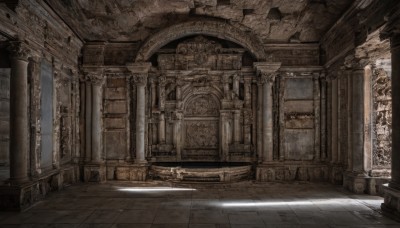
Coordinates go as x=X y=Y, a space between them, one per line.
x=382 y=120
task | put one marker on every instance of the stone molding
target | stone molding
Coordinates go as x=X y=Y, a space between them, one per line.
x=207 y=27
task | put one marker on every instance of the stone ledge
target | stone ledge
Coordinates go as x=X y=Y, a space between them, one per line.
x=361 y=184
x=132 y=172
x=391 y=205
x=292 y=172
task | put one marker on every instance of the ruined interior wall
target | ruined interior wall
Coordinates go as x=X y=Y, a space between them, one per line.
x=382 y=123
x=48 y=39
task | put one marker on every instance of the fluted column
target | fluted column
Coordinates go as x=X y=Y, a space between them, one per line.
x=161 y=127
x=140 y=73
x=267 y=72
x=96 y=94
x=19 y=112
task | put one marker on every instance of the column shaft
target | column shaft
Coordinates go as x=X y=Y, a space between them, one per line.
x=97 y=98
x=267 y=124
x=19 y=120
x=334 y=121
x=140 y=123
x=236 y=127
x=88 y=122
x=357 y=122
x=161 y=129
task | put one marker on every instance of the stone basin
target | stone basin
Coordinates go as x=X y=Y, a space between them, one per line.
x=201 y=171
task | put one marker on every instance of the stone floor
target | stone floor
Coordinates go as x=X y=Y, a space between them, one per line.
x=161 y=204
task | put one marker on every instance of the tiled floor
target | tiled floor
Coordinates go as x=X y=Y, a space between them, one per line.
x=161 y=204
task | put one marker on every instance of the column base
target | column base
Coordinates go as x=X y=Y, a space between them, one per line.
x=391 y=205
x=136 y=172
x=94 y=173
x=355 y=182
x=276 y=171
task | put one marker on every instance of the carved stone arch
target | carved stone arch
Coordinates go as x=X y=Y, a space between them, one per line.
x=205 y=104
x=212 y=89
x=213 y=28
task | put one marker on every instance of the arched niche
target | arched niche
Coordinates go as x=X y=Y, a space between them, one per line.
x=214 y=28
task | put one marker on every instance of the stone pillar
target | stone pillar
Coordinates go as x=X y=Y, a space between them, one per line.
x=323 y=117
x=267 y=72
x=317 y=116
x=140 y=72
x=235 y=86
x=153 y=93
x=236 y=127
x=391 y=205
x=177 y=137
x=97 y=123
x=225 y=130
x=161 y=129
x=19 y=142
x=88 y=120
x=355 y=178
x=259 y=121
x=94 y=170
x=334 y=120
x=247 y=92
x=268 y=120
x=161 y=92
x=178 y=94
x=357 y=122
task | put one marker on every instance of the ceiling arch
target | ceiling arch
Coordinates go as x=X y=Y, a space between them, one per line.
x=219 y=29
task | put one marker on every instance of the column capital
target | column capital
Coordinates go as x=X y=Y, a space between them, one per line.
x=96 y=76
x=19 y=50
x=139 y=68
x=140 y=79
x=266 y=67
x=268 y=77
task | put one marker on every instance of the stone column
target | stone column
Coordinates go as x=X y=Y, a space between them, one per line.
x=334 y=120
x=161 y=129
x=267 y=72
x=317 y=116
x=161 y=99
x=235 y=87
x=259 y=120
x=225 y=130
x=140 y=72
x=391 y=205
x=97 y=123
x=323 y=116
x=19 y=112
x=236 y=127
x=268 y=119
x=88 y=120
x=177 y=137
x=247 y=92
x=357 y=122
x=153 y=93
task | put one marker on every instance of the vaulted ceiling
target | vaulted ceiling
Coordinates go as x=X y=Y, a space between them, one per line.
x=273 y=21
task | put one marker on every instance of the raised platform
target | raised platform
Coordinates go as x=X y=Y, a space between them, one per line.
x=201 y=171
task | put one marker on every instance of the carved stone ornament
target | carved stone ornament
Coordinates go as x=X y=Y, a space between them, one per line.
x=96 y=77
x=267 y=77
x=200 y=47
x=162 y=80
x=202 y=106
x=19 y=50
x=140 y=79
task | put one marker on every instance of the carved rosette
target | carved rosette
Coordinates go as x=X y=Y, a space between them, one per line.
x=19 y=50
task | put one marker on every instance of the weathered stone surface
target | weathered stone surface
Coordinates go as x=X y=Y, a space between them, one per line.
x=135 y=21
